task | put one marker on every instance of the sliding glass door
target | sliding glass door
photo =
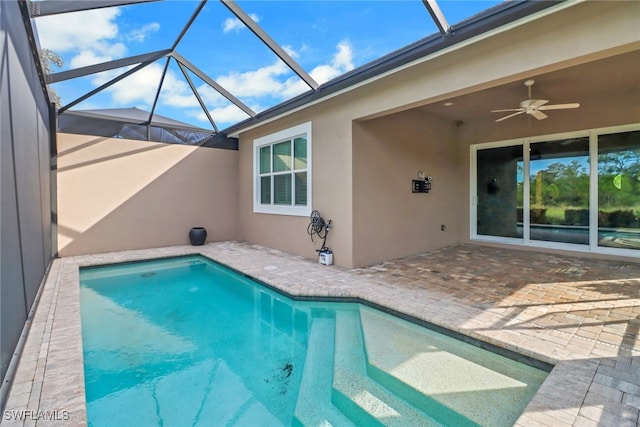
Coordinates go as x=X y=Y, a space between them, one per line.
x=619 y=190
x=559 y=191
x=500 y=192
x=580 y=191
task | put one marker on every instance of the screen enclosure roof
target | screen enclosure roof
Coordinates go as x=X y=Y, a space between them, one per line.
x=216 y=66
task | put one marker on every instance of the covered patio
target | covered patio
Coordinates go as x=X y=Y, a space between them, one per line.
x=579 y=314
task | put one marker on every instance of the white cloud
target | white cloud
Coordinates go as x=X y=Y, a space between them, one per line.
x=228 y=114
x=291 y=51
x=141 y=87
x=222 y=116
x=251 y=86
x=140 y=34
x=266 y=82
x=221 y=110
x=138 y=87
x=87 y=57
x=293 y=86
x=99 y=52
x=89 y=37
x=211 y=97
x=177 y=93
x=234 y=24
x=341 y=62
x=256 y=83
x=78 y=30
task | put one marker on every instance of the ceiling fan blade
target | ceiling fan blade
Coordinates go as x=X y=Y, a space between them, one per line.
x=559 y=106
x=528 y=103
x=539 y=115
x=509 y=116
x=507 y=109
x=538 y=102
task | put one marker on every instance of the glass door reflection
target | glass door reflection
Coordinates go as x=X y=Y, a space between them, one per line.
x=559 y=191
x=619 y=190
x=500 y=192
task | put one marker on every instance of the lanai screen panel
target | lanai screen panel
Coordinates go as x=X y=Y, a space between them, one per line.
x=131 y=123
x=26 y=199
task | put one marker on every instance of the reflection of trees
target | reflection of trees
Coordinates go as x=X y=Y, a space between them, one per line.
x=562 y=184
x=559 y=183
x=566 y=184
x=619 y=178
x=520 y=191
x=627 y=161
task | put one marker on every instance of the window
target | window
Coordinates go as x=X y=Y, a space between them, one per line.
x=282 y=172
x=579 y=191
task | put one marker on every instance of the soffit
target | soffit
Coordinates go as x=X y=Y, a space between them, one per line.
x=597 y=84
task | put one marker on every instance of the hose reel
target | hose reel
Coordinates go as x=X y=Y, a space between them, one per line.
x=318 y=226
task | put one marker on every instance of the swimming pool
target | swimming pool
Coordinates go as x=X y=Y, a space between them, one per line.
x=186 y=341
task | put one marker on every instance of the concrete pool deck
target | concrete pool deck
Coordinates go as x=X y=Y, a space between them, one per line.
x=581 y=315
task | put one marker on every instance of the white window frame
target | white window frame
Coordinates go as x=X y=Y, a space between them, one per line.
x=304 y=130
x=593 y=246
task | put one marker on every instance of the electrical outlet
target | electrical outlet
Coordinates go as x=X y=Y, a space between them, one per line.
x=443 y=227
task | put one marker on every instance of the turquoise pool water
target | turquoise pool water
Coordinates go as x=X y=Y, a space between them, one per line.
x=186 y=341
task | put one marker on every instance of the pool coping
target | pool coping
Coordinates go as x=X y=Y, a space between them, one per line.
x=46 y=390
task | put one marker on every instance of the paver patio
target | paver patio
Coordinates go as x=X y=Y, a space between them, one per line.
x=581 y=315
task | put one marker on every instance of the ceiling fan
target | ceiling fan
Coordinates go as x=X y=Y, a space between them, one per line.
x=533 y=107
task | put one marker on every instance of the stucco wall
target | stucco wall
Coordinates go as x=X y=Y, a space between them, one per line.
x=331 y=188
x=117 y=194
x=389 y=220
x=344 y=127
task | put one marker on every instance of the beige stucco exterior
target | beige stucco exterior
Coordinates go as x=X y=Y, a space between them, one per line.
x=331 y=192
x=389 y=220
x=368 y=143
x=118 y=194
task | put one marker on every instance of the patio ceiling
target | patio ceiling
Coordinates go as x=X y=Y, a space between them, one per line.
x=581 y=83
x=197 y=77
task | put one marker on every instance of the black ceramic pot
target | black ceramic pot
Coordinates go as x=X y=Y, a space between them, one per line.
x=197 y=236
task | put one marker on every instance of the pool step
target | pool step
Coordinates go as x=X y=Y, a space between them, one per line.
x=363 y=400
x=314 y=407
x=440 y=375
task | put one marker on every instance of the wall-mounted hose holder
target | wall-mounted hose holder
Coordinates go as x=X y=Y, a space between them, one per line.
x=318 y=226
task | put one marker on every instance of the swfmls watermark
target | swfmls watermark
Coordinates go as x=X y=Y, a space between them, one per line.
x=30 y=415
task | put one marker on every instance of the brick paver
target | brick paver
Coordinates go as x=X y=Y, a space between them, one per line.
x=582 y=315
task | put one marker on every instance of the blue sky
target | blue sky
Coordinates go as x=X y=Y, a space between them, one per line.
x=327 y=38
